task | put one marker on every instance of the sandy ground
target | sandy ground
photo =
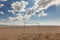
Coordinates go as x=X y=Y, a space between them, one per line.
x=29 y=33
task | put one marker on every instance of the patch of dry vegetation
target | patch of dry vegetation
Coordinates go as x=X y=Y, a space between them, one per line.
x=29 y=36
x=29 y=33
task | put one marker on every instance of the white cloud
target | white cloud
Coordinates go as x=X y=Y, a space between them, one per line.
x=12 y=11
x=29 y=12
x=44 y=4
x=19 y=6
x=1 y=5
x=11 y=23
x=1 y=12
x=18 y=18
x=3 y=0
x=1 y=23
x=39 y=5
x=42 y=14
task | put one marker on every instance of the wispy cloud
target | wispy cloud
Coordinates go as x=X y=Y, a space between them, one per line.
x=3 y=0
x=44 y=4
x=39 y=5
x=18 y=6
x=1 y=5
x=1 y=12
x=42 y=14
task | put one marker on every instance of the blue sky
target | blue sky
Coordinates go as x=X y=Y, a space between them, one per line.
x=14 y=12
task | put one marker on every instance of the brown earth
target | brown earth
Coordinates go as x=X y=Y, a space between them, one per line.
x=30 y=33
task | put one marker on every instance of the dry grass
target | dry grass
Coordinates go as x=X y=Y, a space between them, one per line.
x=29 y=33
x=29 y=36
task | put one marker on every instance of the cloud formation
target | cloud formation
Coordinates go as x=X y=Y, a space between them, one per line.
x=18 y=6
x=1 y=12
x=1 y=5
x=3 y=0
x=18 y=17
x=39 y=5
x=44 y=4
x=42 y=14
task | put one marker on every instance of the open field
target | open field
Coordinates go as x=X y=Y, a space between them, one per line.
x=30 y=33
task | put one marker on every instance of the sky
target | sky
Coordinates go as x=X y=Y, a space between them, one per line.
x=30 y=12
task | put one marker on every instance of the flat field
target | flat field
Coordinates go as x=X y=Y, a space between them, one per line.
x=29 y=33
